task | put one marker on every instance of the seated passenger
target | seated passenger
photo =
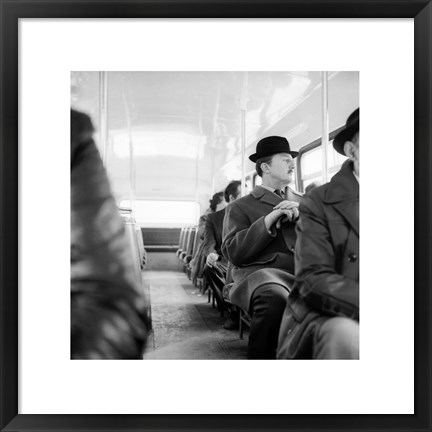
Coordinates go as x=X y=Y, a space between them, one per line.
x=198 y=261
x=109 y=314
x=216 y=269
x=321 y=319
x=258 y=239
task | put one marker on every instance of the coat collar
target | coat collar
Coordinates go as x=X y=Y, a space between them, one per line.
x=219 y=215
x=343 y=186
x=266 y=196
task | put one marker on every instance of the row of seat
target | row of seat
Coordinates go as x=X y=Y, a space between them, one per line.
x=188 y=246
x=135 y=239
x=135 y=242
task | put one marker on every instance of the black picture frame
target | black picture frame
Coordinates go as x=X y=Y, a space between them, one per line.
x=12 y=10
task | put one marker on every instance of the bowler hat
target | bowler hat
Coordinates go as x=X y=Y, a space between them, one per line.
x=349 y=130
x=272 y=145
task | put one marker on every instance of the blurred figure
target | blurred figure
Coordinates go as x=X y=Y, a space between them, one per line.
x=321 y=319
x=198 y=261
x=109 y=315
x=310 y=187
x=216 y=269
x=259 y=239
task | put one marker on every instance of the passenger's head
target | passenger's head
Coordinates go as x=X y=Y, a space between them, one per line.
x=347 y=140
x=216 y=200
x=274 y=160
x=312 y=186
x=232 y=191
x=265 y=160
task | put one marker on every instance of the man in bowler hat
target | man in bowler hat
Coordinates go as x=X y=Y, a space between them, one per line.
x=258 y=239
x=321 y=319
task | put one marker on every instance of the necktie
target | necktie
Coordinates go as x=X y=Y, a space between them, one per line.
x=278 y=192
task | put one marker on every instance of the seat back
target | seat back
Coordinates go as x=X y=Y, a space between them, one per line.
x=133 y=245
x=181 y=240
x=140 y=242
x=190 y=241
x=186 y=242
x=195 y=242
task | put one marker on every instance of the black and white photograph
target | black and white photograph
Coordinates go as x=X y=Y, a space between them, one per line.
x=181 y=196
x=210 y=219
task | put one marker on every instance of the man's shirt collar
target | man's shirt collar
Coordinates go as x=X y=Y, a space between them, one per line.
x=271 y=189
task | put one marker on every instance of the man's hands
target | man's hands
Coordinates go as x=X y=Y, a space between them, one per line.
x=283 y=212
x=211 y=259
x=289 y=209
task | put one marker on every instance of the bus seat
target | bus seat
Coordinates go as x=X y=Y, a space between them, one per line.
x=140 y=242
x=194 y=251
x=133 y=245
x=181 y=239
x=188 y=255
x=186 y=243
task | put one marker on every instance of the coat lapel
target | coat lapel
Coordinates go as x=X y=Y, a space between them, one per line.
x=266 y=196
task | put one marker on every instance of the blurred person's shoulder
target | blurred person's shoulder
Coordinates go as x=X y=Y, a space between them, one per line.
x=341 y=186
x=81 y=128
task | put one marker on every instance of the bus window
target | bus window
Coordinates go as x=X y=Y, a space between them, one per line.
x=249 y=184
x=164 y=213
x=311 y=164
x=257 y=180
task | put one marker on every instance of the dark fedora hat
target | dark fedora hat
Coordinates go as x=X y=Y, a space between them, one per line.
x=349 y=130
x=272 y=145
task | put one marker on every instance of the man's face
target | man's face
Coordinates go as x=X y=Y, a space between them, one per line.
x=281 y=169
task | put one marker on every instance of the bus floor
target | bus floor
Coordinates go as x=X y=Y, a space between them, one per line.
x=185 y=325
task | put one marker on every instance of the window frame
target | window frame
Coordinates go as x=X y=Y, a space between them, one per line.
x=307 y=148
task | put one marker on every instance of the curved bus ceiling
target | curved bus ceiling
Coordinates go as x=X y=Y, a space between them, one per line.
x=185 y=129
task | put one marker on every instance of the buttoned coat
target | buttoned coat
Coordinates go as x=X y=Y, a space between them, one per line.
x=327 y=263
x=258 y=256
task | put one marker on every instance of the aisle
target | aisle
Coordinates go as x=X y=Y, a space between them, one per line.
x=185 y=326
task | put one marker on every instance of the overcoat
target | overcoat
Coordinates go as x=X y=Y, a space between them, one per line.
x=198 y=261
x=327 y=263
x=109 y=312
x=257 y=255
x=213 y=233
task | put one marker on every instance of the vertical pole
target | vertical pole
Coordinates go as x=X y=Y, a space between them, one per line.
x=131 y=153
x=213 y=169
x=131 y=172
x=243 y=133
x=243 y=151
x=215 y=135
x=200 y=134
x=103 y=115
x=325 y=125
x=197 y=178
